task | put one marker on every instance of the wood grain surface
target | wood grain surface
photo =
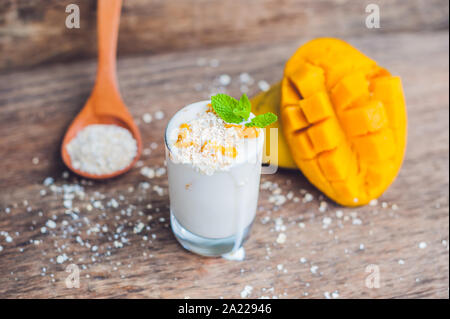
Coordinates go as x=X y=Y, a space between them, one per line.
x=34 y=32
x=325 y=254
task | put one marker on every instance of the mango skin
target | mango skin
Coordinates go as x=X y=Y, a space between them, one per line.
x=270 y=102
x=344 y=119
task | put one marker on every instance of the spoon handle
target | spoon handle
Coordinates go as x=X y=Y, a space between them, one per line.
x=108 y=18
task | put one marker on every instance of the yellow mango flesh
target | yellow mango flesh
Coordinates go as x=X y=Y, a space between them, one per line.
x=344 y=120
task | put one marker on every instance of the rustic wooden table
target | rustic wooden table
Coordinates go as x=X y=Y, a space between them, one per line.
x=44 y=228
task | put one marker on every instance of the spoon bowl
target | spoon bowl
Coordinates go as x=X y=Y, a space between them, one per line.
x=105 y=105
x=87 y=117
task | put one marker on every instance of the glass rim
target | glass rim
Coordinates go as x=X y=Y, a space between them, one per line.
x=171 y=119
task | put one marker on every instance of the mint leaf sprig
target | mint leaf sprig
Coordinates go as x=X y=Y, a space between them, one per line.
x=233 y=111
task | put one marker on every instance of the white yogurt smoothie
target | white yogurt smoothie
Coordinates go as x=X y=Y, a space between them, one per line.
x=214 y=172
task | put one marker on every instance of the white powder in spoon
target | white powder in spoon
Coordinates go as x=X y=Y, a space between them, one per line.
x=101 y=149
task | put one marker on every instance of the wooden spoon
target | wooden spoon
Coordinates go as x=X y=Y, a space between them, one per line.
x=104 y=106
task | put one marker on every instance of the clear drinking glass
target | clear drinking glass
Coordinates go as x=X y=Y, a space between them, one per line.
x=212 y=215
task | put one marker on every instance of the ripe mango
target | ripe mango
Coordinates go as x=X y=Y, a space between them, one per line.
x=343 y=119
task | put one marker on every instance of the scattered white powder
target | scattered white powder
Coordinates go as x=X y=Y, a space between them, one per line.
x=102 y=149
x=327 y=221
x=277 y=199
x=50 y=224
x=247 y=291
x=61 y=258
x=48 y=181
x=281 y=238
x=245 y=78
x=263 y=86
x=314 y=269
x=335 y=294
x=323 y=207
x=160 y=171
x=148 y=172
x=138 y=228
x=307 y=198
x=159 y=115
x=238 y=255
x=147 y=118
x=373 y=202
x=224 y=79
x=332 y=295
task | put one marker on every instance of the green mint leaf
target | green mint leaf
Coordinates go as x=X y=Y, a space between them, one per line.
x=224 y=105
x=262 y=120
x=243 y=108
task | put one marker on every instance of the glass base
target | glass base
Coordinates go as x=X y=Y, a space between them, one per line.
x=210 y=247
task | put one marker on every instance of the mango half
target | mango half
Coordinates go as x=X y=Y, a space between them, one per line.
x=344 y=120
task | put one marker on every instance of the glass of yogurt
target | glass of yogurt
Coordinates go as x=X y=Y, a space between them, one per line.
x=214 y=172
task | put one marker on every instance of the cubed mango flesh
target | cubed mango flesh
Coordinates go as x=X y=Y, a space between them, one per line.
x=294 y=118
x=308 y=79
x=317 y=107
x=344 y=119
